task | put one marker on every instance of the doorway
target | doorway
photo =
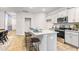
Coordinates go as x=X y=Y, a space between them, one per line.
x=9 y=23
x=27 y=24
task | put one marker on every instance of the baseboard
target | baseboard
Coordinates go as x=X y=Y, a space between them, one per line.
x=71 y=45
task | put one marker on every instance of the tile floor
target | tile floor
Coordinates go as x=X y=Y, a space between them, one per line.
x=16 y=43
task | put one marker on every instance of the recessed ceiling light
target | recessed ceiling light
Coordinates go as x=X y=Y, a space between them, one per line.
x=43 y=9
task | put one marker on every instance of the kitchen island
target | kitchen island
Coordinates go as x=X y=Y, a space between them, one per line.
x=48 y=39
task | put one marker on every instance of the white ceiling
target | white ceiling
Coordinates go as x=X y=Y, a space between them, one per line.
x=30 y=9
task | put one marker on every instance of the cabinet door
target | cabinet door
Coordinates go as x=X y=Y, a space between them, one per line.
x=75 y=39
x=77 y=15
x=62 y=13
x=68 y=37
x=52 y=42
x=71 y=15
x=54 y=18
x=49 y=17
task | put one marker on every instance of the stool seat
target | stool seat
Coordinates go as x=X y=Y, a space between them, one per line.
x=28 y=34
x=34 y=40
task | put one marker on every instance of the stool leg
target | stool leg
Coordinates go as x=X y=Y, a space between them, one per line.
x=27 y=39
x=31 y=47
x=38 y=46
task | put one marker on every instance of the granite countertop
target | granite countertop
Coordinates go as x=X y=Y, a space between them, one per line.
x=42 y=32
x=72 y=30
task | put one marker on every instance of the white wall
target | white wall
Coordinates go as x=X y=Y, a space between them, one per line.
x=6 y=19
x=20 y=22
x=37 y=20
x=2 y=22
x=13 y=20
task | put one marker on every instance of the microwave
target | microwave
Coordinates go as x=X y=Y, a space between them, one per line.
x=62 y=20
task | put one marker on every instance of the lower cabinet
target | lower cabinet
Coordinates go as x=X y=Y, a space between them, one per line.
x=72 y=38
x=67 y=37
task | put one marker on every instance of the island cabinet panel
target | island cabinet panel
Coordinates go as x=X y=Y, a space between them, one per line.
x=43 y=43
x=52 y=42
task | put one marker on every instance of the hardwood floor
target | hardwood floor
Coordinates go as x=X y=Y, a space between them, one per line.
x=64 y=47
x=17 y=43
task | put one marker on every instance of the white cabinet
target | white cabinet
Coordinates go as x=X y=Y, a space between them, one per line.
x=52 y=42
x=54 y=18
x=48 y=24
x=71 y=15
x=72 y=38
x=62 y=13
x=67 y=37
x=77 y=15
x=48 y=17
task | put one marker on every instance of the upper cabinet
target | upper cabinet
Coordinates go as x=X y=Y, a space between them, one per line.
x=54 y=18
x=77 y=15
x=71 y=14
x=62 y=13
x=48 y=17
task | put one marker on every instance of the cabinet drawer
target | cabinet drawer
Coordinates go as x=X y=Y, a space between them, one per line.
x=68 y=40
x=75 y=37
x=75 y=33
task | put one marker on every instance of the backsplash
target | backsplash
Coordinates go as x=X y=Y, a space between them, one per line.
x=76 y=26
x=72 y=26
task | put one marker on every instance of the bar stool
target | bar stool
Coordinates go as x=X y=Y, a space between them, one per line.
x=27 y=39
x=5 y=35
x=36 y=41
x=1 y=37
x=27 y=34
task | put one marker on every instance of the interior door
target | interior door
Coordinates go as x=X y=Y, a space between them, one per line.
x=9 y=24
x=27 y=24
